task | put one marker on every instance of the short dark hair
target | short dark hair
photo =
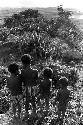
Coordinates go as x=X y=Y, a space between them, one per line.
x=47 y=72
x=26 y=59
x=63 y=81
x=13 y=68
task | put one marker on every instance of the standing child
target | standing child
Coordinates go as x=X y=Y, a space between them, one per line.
x=15 y=86
x=63 y=97
x=29 y=78
x=45 y=86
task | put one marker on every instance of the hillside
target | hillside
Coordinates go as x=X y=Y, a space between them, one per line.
x=53 y=43
x=49 y=12
x=25 y=27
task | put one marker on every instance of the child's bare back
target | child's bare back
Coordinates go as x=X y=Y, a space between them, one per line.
x=63 y=98
x=29 y=76
x=14 y=84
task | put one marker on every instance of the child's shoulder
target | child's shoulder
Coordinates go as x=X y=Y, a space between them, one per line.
x=35 y=71
x=12 y=78
x=45 y=82
x=67 y=90
x=61 y=91
x=29 y=69
x=19 y=77
x=25 y=71
x=8 y=78
x=48 y=81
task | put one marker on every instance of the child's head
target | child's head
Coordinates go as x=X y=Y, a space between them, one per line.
x=47 y=72
x=26 y=59
x=13 y=68
x=63 y=81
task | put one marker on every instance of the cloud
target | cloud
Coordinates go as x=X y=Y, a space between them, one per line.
x=17 y=3
x=27 y=3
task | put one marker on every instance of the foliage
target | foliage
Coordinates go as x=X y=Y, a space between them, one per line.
x=33 y=33
x=47 y=41
x=74 y=110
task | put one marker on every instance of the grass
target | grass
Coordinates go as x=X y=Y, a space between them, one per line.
x=74 y=114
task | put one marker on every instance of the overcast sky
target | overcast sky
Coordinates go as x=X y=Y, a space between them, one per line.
x=77 y=4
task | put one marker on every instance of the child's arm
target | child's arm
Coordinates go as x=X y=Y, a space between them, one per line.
x=57 y=97
x=69 y=96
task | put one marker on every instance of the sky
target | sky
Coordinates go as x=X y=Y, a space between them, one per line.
x=74 y=4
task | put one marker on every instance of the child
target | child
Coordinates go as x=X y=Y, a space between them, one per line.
x=45 y=86
x=29 y=78
x=63 y=97
x=15 y=86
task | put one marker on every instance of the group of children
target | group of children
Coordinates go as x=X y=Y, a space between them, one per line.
x=21 y=84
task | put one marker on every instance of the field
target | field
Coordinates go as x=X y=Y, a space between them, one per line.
x=74 y=113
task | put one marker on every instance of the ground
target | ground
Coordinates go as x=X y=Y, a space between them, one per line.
x=74 y=113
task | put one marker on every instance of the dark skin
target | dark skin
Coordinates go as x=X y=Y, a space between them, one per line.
x=44 y=91
x=29 y=77
x=14 y=84
x=63 y=97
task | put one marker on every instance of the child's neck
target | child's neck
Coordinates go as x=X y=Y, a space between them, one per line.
x=13 y=74
x=64 y=88
x=46 y=78
x=26 y=66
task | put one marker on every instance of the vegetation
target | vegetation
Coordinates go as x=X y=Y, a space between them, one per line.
x=53 y=42
x=31 y=32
